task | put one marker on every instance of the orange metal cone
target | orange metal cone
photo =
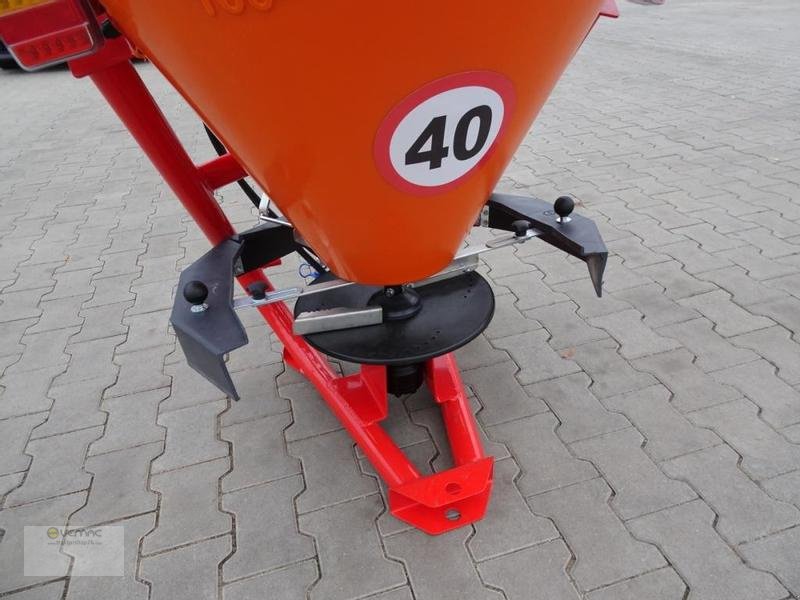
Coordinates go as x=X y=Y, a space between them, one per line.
x=379 y=128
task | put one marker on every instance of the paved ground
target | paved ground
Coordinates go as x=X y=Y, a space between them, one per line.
x=649 y=443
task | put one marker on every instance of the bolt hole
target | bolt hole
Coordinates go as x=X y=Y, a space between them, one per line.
x=452 y=488
x=451 y=514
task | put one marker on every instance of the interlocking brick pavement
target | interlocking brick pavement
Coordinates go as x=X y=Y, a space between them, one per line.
x=648 y=443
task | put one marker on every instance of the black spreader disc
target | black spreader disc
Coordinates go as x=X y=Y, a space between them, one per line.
x=454 y=311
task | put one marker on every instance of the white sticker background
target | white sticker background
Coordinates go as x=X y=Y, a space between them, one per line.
x=454 y=105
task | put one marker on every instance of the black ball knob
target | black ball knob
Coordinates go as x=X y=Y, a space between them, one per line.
x=258 y=290
x=195 y=292
x=564 y=206
x=520 y=228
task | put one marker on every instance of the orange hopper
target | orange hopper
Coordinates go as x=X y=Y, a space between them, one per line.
x=378 y=128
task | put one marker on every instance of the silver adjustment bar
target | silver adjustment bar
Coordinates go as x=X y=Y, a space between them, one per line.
x=334 y=319
x=465 y=261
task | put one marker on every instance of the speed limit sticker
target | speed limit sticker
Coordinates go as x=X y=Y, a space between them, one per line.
x=444 y=131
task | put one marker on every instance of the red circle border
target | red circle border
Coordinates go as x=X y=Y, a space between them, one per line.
x=490 y=79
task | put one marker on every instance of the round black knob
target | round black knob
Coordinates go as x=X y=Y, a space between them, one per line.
x=195 y=292
x=258 y=290
x=564 y=206
x=520 y=228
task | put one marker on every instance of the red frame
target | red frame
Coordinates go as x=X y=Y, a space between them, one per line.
x=436 y=503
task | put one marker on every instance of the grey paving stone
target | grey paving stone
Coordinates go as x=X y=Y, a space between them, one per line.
x=258 y=395
x=729 y=319
x=266 y=532
x=9 y=482
x=431 y=420
x=580 y=414
x=188 y=573
x=311 y=414
x=127 y=586
x=530 y=290
x=50 y=591
x=537 y=360
x=191 y=437
x=504 y=262
x=189 y=507
x=508 y=320
x=140 y=372
x=59 y=314
x=775 y=344
x=745 y=290
x=658 y=309
x=509 y=526
x=20 y=305
x=14 y=434
x=189 y=388
x=119 y=485
x=52 y=513
x=331 y=471
x=347 y=543
x=610 y=373
x=91 y=361
x=779 y=402
x=541 y=568
x=635 y=338
x=289 y=583
x=566 y=328
x=676 y=282
x=11 y=333
x=75 y=406
x=694 y=259
x=769 y=244
x=639 y=485
x=56 y=468
x=544 y=460
x=634 y=254
x=663 y=584
x=667 y=432
x=259 y=452
x=501 y=395
x=72 y=283
x=589 y=305
x=745 y=512
x=399 y=426
x=713 y=352
x=784 y=487
x=709 y=239
x=692 y=389
x=557 y=267
x=145 y=331
x=778 y=554
x=423 y=554
x=686 y=535
x=131 y=421
x=421 y=456
x=756 y=265
x=43 y=350
x=764 y=452
x=605 y=552
x=102 y=322
x=259 y=352
x=479 y=353
x=785 y=311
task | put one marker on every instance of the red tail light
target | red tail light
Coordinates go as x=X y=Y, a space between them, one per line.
x=40 y=33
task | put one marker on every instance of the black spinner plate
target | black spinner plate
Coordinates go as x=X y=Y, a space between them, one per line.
x=454 y=312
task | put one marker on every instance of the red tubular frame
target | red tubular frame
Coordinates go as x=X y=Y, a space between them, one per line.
x=435 y=503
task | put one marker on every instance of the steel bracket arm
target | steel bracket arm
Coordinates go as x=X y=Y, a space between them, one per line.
x=576 y=235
